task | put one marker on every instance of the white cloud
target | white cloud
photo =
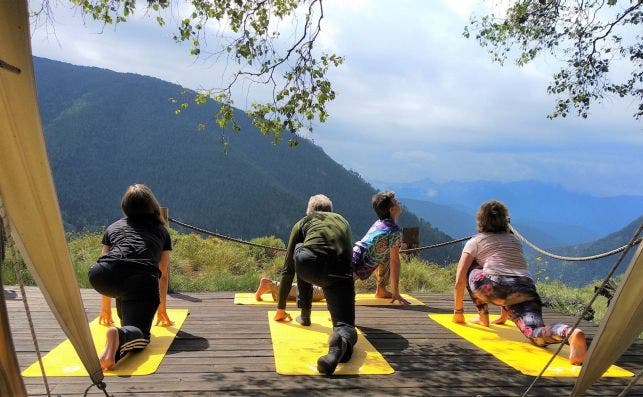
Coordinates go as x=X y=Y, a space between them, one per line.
x=462 y=8
x=415 y=98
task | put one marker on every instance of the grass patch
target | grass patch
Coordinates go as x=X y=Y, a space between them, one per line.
x=209 y=264
x=564 y=299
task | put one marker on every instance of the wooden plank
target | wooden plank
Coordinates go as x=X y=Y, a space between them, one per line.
x=226 y=349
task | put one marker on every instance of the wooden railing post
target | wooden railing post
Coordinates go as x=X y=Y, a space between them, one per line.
x=165 y=214
x=411 y=239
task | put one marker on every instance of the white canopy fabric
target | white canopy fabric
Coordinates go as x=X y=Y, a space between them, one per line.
x=27 y=189
x=28 y=194
x=623 y=323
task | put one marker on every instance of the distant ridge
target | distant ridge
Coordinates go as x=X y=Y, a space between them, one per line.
x=460 y=223
x=105 y=130
x=554 y=215
x=582 y=273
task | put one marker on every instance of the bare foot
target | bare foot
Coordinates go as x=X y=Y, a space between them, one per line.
x=482 y=319
x=108 y=356
x=577 y=347
x=264 y=286
x=503 y=316
x=382 y=292
x=274 y=291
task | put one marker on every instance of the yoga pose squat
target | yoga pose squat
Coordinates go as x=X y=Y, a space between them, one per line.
x=133 y=268
x=494 y=270
x=319 y=252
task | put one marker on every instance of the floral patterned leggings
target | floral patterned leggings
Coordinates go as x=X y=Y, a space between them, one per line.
x=519 y=297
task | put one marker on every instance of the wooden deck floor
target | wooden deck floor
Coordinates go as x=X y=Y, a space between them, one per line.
x=225 y=349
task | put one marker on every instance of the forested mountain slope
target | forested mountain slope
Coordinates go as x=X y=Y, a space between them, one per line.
x=106 y=130
x=583 y=272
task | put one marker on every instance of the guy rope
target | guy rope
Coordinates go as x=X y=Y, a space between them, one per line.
x=633 y=241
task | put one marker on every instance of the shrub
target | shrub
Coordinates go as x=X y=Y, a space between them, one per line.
x=13 y=262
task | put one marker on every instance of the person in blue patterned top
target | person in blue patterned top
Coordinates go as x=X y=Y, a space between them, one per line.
x=380 y=248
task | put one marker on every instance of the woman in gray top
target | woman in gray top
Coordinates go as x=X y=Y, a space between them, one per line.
x=494 y=270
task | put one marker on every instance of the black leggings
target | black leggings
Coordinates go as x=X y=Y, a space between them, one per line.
x=137 y=299
x=336 y=280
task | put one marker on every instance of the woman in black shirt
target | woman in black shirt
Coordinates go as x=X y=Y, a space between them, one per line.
x=133 y=269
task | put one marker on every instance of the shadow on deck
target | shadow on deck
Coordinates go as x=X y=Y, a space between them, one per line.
x=225 y=349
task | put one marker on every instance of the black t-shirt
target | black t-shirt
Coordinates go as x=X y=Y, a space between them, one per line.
x=138 y=244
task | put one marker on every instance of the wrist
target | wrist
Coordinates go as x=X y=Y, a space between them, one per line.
x=461 y=310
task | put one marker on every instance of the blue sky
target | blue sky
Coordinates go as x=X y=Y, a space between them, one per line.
x=415 y=99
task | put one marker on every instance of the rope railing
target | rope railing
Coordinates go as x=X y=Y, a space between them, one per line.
x=589 y=304
x=437 y=245
x=572 y=258
x=426 y=247
x=240 y=241
x=223 y=237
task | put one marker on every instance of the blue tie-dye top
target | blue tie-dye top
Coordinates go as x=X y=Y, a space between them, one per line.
x=375 y=247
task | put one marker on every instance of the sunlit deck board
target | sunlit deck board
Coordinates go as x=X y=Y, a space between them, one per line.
x=226 y=349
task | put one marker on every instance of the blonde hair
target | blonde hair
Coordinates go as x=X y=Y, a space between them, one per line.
x=493 y=217
x=139 y=203
x=319 y=202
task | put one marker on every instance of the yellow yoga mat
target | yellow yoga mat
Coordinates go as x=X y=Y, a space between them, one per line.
x=243 y=298
x=297 y=348
x=63 y=360
x=510 y=346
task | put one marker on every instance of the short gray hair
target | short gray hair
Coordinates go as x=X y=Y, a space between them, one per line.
x=319 y=202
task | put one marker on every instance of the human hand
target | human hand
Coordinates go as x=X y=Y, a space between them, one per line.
x=162 y=318
x=105 y=317
x=281 y=315
x=458 y=317
x=397 y=297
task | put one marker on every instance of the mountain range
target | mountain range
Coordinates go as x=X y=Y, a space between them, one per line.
x=578 y=273
x=106 y=130
x=561 y=222
x=547 y=214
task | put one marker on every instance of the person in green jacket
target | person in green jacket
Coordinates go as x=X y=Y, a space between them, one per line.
x=319 y=252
